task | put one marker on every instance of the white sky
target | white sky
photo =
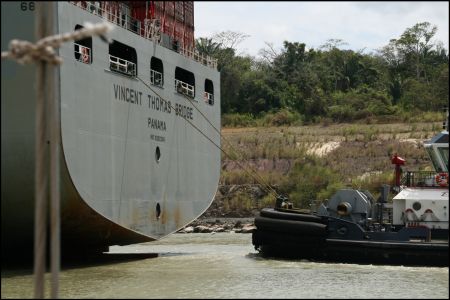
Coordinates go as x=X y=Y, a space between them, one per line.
x=368 y=25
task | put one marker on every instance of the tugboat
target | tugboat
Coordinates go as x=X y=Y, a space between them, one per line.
x=355 y=228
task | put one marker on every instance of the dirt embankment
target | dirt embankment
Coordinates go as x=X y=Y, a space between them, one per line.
x=355 y=151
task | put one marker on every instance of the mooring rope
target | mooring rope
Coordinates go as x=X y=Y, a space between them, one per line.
x=25 y=52
x=231 y=146
x=266 y=186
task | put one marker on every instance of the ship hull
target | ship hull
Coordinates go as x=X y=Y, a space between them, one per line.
x=115 y=190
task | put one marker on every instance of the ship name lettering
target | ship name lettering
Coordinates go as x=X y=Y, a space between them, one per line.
x=159 y=104
x=127 y=94
x=156 y=124
x=184 y=111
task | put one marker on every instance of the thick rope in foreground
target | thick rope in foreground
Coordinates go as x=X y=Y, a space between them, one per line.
x=25 y=52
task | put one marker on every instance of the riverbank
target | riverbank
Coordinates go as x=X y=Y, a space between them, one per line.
x=320 y=157
x=213 y=225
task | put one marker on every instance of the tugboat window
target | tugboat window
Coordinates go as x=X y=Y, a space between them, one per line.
x=209 y=92
x=122 y=59
x=83 y=48
x=416 y=205
x=434 y=158
x=443 y=151
x=184 y=82
x=156 y=72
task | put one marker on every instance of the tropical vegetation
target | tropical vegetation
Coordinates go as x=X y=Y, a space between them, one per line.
x=300 y=95
x=407 y=76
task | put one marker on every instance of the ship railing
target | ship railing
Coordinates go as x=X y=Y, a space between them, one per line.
x=83 y=53
x=156 y=78
x=150 y=30
x=209 y=98
x=120 y=65
x=422 y=179
x=184 y=88
x=201 y=58
x=111 y=13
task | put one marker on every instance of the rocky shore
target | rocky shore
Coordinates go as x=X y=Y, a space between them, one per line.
x=212 y=225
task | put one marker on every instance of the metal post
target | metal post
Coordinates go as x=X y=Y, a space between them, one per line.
x=47 y=106
x=40 y=168
x=54 y=132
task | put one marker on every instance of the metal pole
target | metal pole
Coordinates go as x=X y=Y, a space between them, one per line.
x=40 y=165
x=54 y=131
x=46 y=103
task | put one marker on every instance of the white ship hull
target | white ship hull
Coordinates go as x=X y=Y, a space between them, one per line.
x=133 y=168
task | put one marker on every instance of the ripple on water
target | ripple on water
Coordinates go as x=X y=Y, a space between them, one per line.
x=226 y=265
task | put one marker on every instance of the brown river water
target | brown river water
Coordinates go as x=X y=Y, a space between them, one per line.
x=225 y=265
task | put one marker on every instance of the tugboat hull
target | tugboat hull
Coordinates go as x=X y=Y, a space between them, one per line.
x=307 y=236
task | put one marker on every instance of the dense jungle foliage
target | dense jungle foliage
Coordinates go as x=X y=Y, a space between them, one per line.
x=302 y=85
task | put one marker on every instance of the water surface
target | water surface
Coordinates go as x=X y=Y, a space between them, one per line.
x=225 y=265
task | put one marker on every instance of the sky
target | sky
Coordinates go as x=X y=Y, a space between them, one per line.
x=363 y=26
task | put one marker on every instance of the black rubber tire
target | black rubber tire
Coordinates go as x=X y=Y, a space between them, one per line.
x=271 y=213
x=288 y=244
x=291 y=226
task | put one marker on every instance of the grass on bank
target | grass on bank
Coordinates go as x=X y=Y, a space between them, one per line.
x=285 y=117
x=362 y=159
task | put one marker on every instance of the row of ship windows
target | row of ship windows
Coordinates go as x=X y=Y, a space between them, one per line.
x=123 y=59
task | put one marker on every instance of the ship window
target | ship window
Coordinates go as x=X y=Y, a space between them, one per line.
x=83 y=48
x=209 y=92
x=122 y=59
x=434 y=158
x=175 y=45
x=417 y=205
x=156 y=72
x=184 y=82
x=443 y=151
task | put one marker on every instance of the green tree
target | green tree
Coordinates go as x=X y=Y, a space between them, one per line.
x=207 y=46
x=415 y=43
x=344 y=85
x=336 y=60
x=395 y=69
x=414 y=63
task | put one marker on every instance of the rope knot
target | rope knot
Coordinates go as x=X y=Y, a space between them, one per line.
x=25 y=52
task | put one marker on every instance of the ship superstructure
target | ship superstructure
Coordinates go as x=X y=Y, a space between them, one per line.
x=135 y=163
x=423 y=196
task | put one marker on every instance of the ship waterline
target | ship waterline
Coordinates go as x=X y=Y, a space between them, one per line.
x=135 y=165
